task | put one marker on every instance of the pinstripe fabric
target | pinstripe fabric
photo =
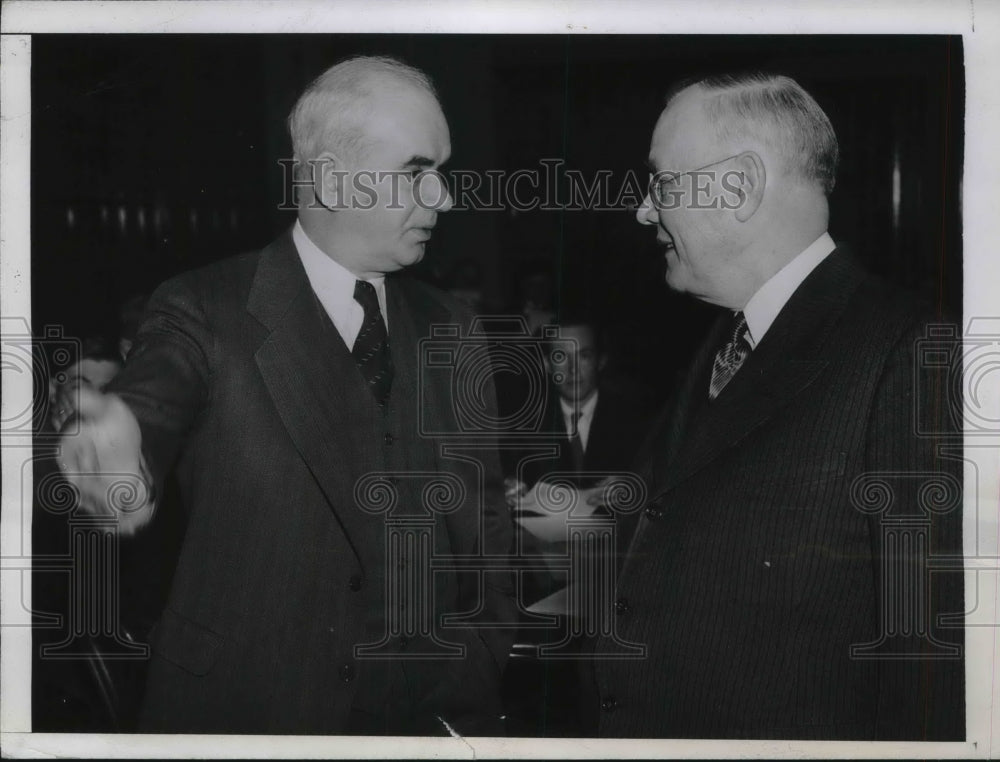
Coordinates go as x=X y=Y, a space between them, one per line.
x=757 y=571
x=241 y=380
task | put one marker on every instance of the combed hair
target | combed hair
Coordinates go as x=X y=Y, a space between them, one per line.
x=329 y=115
x=777 y=111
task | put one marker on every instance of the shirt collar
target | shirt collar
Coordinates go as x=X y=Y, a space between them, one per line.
x=764 y=306
x=331 y=281
x=586 y=409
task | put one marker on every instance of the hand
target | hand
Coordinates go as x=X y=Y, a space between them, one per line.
x=101 y=455
x=513 y=491
x=545 y=510
x=597 y=495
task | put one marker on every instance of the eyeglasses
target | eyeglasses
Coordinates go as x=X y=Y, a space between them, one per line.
x=660 y=183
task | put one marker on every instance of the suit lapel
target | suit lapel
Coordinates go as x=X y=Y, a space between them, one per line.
x=679 y=415
x=785 y=363
x=421 y=398
x=411 y=313
x=403 y=340
x=315 y=385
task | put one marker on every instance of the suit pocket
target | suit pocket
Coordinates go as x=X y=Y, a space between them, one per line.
x=185 y=643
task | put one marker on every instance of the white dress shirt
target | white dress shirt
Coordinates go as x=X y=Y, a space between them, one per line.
x=585 y=419
x=333 y=284
x=765 y=305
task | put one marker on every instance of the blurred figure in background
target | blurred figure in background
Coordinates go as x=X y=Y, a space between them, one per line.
x=68 y=694
x=595 y=425
x=90 y=688
x=535 y=297
x=598 y=422
x=100 y=360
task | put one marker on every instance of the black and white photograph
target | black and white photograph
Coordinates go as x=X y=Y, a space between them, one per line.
x=559 y=385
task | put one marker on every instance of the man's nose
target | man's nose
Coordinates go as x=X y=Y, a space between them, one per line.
x=448 y=201
x=646 y=213
x=433 y=192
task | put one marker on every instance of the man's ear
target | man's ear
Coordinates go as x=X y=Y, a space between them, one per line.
x=329 y=181
x=602 y=360
x=746 y=185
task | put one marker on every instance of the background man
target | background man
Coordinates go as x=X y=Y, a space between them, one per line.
x=99 y=362
x=607 y=417
x=597 y=424
x=273 y=382
x=759 y=563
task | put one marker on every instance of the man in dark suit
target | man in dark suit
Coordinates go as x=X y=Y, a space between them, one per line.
x=594 y=425
x=284 y=387
x=591 y=427
x=778 y=576
x=597 y=424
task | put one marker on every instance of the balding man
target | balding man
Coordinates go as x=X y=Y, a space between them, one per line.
x=778 y=576
x=275 y=383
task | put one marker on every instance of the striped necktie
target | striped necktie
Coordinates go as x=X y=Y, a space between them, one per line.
x=371 y=347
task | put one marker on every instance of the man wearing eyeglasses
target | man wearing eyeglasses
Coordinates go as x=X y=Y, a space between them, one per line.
x=778 y=576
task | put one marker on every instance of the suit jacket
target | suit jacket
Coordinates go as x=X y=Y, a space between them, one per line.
x=621 y=418
x=784 y=527
x=241 y=382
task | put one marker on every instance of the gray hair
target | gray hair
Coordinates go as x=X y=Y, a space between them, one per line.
x=329 y=115
x=777 y=111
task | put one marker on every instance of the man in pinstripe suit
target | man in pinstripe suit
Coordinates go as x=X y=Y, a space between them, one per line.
x=274 y=384
x=764 y=579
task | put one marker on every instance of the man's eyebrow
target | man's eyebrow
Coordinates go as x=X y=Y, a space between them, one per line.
x=419 y=161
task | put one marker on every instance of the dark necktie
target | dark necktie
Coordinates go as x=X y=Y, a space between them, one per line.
x=730 y=356
x=575 y=442
x=371 y=347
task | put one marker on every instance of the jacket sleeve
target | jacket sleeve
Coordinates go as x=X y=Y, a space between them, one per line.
x=165 y=381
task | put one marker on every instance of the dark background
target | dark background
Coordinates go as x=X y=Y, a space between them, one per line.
x=153 y=154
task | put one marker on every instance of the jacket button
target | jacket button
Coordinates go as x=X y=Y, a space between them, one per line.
x=609 y=704
x=622 y=606
x=356 y=582
x=388 y=438
x=346 y=673
x=654 y=511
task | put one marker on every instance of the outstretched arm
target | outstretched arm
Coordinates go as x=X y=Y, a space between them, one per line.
x=118 y=446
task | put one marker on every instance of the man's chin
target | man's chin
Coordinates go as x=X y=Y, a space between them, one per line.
x=411 y=255
x=674 y=281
